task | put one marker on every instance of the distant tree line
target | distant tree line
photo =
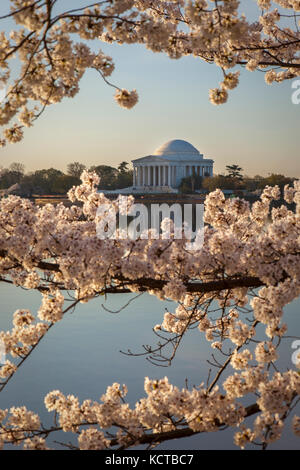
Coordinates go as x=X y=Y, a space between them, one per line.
x=233 y=179
x=52 y=181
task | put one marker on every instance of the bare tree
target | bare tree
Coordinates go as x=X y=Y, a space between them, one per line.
x=75 y=169
x=17 y=167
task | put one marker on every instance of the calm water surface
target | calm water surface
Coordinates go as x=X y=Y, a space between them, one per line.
x=81 y=355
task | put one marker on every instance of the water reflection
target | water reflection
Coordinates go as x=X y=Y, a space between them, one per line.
x=81 y=355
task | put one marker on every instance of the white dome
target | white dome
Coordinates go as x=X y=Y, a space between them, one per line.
x=177 y=147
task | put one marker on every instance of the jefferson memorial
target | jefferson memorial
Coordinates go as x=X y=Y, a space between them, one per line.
x=164 y=169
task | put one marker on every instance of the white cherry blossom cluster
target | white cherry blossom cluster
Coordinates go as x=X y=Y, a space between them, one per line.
x=52 y=46
x=111 y=422
x=248 y=253
x=18 y=342
x=126 y=99
x=51 y=308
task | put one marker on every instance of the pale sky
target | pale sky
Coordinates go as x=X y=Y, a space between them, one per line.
x=258 y=128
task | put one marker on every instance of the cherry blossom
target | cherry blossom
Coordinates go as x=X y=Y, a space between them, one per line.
x=55 y=46
x=243 y=276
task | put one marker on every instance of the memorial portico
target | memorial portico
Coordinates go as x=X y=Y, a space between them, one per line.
x=168 y=165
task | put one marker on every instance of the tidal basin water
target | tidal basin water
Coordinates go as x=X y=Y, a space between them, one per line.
x=81 y=355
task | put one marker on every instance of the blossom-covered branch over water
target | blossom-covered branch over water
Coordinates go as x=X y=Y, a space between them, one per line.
x=242 y=277
x=52 y=45
x=233 y=289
